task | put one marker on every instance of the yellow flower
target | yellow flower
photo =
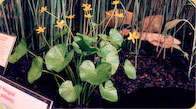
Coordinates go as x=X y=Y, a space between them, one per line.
x=43 y=9
x=60 y=24
x=133 y=37
x=88 y=16
x=70 y=16
x=115 y=2
x=88 y=8
x=85 y=5
x=40 y=30
x=119 y=15
x=107 y=13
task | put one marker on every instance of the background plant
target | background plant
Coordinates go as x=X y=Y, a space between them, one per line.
x=85 y=75
x=22 y=18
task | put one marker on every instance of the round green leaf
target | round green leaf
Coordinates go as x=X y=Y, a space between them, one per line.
x=106 y=47
x=103 y=72
x=35 y=71
x=55 y=58
x=130 y=69
x=109 y=54
x=108 y=92
x=113 y=59
x=20 y=50
x=87 y=71
x=69 y=92
x=94 y=76
x=115 y=38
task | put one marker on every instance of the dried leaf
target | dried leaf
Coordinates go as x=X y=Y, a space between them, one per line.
x=152 y=24
x=160 y=40
x=124 y=32
x=171 y=24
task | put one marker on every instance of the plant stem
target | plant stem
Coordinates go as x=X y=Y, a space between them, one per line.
x=89 y=94
x=51 y=14
x=46 y=40
x=32 y=53
x=109 y=19
x=72 y=74
x=56 y=75
x=62 y=37
x=57 y=81
x=84 y=92
x=193 y=50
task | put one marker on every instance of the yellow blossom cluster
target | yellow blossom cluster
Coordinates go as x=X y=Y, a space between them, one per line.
x=87 y=7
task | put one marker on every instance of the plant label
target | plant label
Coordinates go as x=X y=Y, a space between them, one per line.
x=6 y=46
x=14 y=96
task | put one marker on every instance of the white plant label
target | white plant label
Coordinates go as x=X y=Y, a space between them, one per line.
x=13 y=98
x=6 y=45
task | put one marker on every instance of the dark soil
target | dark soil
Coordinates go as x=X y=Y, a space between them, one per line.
x=160 y=82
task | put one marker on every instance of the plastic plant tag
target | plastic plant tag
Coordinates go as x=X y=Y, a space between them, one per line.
x=6 y=46
x=14 y=96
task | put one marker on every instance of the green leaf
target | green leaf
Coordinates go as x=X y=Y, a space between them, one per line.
x=94 y=76
x=35 y=71
x=19 y=52
x=130 y=69
x=76 y=47
x=69 y=92
x=55 y=58
x=108 y=92
x=84 y=46
x=113 y=59
x=171 y=24
x=103 y=72
x=109 y=54
x=115 y=38
x=103 y=36
x=88 y=40
x=106 y=47
x=1 y=1
x=68 y=57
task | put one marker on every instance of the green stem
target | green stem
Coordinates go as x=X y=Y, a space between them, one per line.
x=62 y=37
x=51 y=14
x=89 y=94
x=56 y=75
x=46 y=40
x=97 y=26
x=72 y=74
x=109 y=19
x=80 y=61
x=92 y=90
x=67 y=72
x=84 y=92
x=57 y=81
x=116 y=22
x=32 y=53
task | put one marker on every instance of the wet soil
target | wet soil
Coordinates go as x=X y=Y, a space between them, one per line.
x=160 y=82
